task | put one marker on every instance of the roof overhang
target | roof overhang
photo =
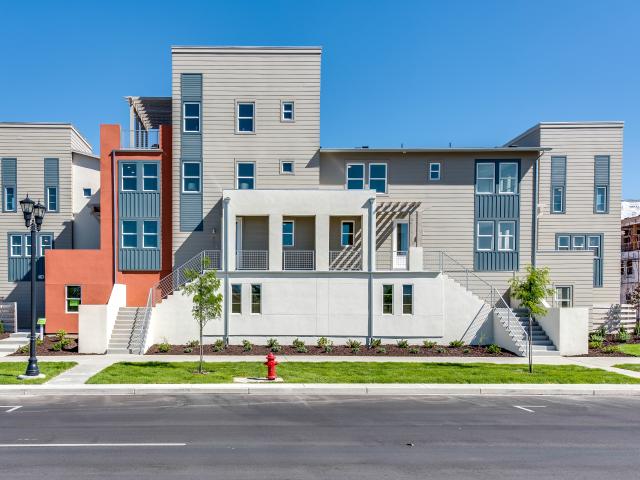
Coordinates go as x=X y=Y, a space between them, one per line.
x=438 y=150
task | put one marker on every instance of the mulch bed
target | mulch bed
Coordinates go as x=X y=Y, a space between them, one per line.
x=610 y=341
x=340 y=350
x=4 y=335
x=46 y=348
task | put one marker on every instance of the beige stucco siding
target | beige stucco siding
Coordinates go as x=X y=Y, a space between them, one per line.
x=304 y=233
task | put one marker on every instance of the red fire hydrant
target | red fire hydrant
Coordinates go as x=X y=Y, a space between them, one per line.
x=271 y=366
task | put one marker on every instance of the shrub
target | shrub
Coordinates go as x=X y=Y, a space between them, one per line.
x=440 y=350
x=466 y=351
x=218 y=345
x=456 y=343
x=610 y=349
x=322 y=341
x=325 y=344
x=193 y=344
x=596 y=344
x=299 y=346
x=39 y=341
x=247 y=346
x=188 y=350
x=402 y=343
x=623 y=335
x=381 y=350
x=493 y=349
x=429 y=343
x=24 y=349
x=353 y=345
x=163 y=347
x=596 y=337
x=1 y=328
x=61 y=334
x=414 y=350
x=376 y=342
x=273 y=345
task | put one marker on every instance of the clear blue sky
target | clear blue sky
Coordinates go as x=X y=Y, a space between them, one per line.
x=422 y=73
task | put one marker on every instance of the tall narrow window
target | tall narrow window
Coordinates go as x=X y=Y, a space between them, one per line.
x=484 y=236
x=246 y=117
x=355 y=176
x=485 y=178
x=150 y=177
x=601 y=184
x=508 y=181
x=407 y=299
x=246 y=176
x=129 y=177
x=601 y=200
x=16 y=245
x=191 y=117
x=558 y=183
x=506 y=236
x=9 y=199
x=564 y=297
x=191 y=177
x=27 y=246
x=434 y=171
x=236 y=298
x=150 y=234
x=52 y=199
x=9 y=181
x=46 y=243
x=288 y=233
x=378 y=177
x=256 y=298
x=73 y=298
x=129 y=234
x=347 y=233
x=287 y=112
x=387 y=299
x=558 y=200
x=563 y=242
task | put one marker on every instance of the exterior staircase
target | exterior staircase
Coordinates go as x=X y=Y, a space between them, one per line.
x=12 y=343
x=127 y=331
x=540 y=342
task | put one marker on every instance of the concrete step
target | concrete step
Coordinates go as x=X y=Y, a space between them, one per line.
x=542 y=343
x=545 y=353
x=118 y=350
x=544 y=348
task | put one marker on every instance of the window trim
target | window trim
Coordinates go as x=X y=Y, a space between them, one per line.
x=238 y=117
x=493 y=178
x=431 y=171
x=386 y=177
x=410 y=296
x=500 y=165
x=557 y=301
x=123 y=176
x=11 y=245
x=5 y=197
x=346 y=176
x=568 y=248
x=67 y=298
x=605 y=209
x=392 y=295
x=40 y=245
x=52 y=188
x=238 y=177
x=573 y=243
x=513 y=236
x=184 y=177
x=293 y=233
x=156 y=176
x=157 y=235
x=122 y=234
x=191 y=117
x=84 y=192
x=293 y=111
x=353 y=233
x=293 y=167
x=259 y=285
x=492 y=236
x=239 y=303
x=553 y=199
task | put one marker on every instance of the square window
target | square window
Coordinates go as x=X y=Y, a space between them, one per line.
x=129 y=177
x=286 y=167
x=87 y=193
x=150 y=234
x=191 y=117
x=129 y=234
x=236 y=298
x=256 y=298
x=563 y=242
x=288 y=233
x=245 y=173
x=73 y=298
x=434 y=172
x=190 y=177
x=387 y=299
x=150 y=177
x=484 y=236
x=378 y=177
x=485 y=178
x=347 y=233
x=508 y=178
x=355 y=176
x=578 y=243
x=287 y=112
x=407 y=299
x=246 y=114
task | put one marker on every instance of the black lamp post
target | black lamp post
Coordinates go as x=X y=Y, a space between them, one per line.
x=33 y=216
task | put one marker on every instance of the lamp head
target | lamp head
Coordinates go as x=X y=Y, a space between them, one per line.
x=27 y=206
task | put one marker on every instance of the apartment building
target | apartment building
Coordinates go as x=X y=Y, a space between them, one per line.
x=338 y=242
x=630 y=261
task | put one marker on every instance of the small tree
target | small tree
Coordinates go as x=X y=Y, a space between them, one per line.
x=531 y=291
x=204 y=288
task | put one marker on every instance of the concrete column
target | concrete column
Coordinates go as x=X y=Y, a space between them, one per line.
x=275 y=242
x=322 y=242
x=229 y=232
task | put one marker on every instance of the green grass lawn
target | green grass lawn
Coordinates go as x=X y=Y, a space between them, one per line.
x=630 y=348
x=9 y=372
x=629 y=366
x=356 y=372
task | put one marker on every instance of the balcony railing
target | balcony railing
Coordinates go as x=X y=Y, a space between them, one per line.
x=140 y=139
x=252 y=260
x=345 y=259
x=298 y=260
x=400 y=260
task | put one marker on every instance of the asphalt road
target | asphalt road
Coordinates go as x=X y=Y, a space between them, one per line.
x=254 y=437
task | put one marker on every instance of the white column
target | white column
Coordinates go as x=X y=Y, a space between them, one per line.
x=275 y=242
x=369 y=236
x=322 y=242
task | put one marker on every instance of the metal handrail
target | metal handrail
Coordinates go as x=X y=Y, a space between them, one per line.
x=298 y=260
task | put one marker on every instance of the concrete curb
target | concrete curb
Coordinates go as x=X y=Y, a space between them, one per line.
x=325 y=389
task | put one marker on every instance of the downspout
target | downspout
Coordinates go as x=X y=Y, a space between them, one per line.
x=225 y=253
x=114 y=215
x=370 y=253
x=534 y=212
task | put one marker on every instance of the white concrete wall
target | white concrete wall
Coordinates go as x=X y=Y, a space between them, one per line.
x=568 y=329
x=85 y=173
x=95 y=322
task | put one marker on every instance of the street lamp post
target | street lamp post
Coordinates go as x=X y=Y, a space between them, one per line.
x=33 y=216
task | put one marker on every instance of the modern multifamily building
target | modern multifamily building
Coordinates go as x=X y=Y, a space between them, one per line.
x=630 y=261
x=228 y=174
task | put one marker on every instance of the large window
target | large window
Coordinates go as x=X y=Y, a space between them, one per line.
x=506 y=236
x=9 y=199
x=129 y=234
x=288 y=233
x=564 y=297
x=434 y=171
x=73 y=298
x=407 y=299
x=16 y=245
x=191 y=177
x=256 y=298
x=485 y=178
x=558 y=200
x=508 y=179
x=347 y=231
x=601 y=199
x=191 y=117
x=150 y=234
x=387 y=299
x=246 y=117
x=236 y=298
x=150 y=177
x=484 y=236
x=246 y=176
x=287 y=112
x=129 y=177
x=52 y=199
x=355 y=176
x=378 y=177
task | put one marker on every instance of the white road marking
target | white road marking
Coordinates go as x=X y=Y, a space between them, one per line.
x=12 y=408
x=527 y=408
x=74 y=445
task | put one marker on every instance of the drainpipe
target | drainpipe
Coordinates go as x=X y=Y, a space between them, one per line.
x=225 y=266
x=114 y=215
x=534 y=216
x=370 y=253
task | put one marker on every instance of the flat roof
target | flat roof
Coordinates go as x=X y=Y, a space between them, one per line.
x=47 y=125
x=244 y=49
x=435 y=150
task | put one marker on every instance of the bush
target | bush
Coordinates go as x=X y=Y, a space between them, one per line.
x=381 y=350
x=429 y=343
x=623 y=336
x=456 y=343
x=188 y=350
x=493 y=349
x=376 y=342
x=61 y=334
x=440 y=350
x=402 y=343
x=325 y=344
x=247 y=346
x=610 y=349
x=353 y=345
x=273 y=345
x=466 y=351
x=596 y=337
x=299 y=346
x=596 y=344
x=414 y=350
x=24 y=349
x=1 y=328
x=193 y=344
x=218 y=345
x=163 y=347
x=39 y=341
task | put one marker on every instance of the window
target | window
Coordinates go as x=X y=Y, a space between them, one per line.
x=286 y=168
x=485 y=236
x=246 y=113
x=246 y=176
x=578 y=243
x=378 y=177
x=9 y=199
x=563 y=242
x=434 y=172
x=256 y=298
x=150 y=177
x=387 y=299
x=129 y=177
x=236 y=298
x=288 y=233
x=558 y=200
x=355 y=176
x=593 y=243
x=629 y=267
x=347 y=230
x=27 y=246
x=87 y=193
x=601 y=199
x=73 y=298
x=16 y=245
x=191 y=117
x=506 y=236
x=52 y=199
x=564 y=297
x=150 y=234
x=485 y=178
x=407 y=299
x=508 y=178
x=46 y=243
x=287 y=112
x=190 y=177
x=129 y=234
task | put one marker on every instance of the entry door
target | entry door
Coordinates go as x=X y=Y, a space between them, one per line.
x=400 y=244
